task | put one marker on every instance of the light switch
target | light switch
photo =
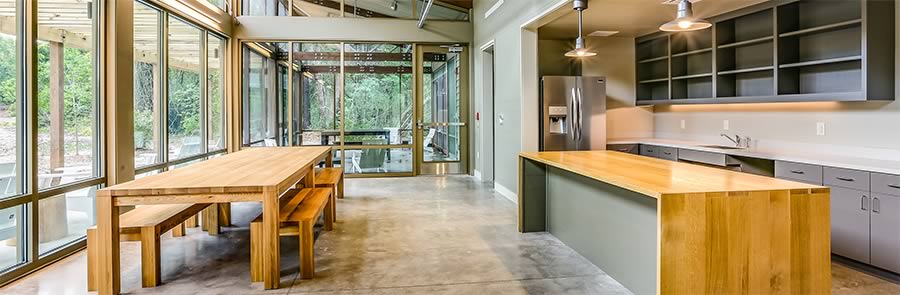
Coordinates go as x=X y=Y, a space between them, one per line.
x=683 y=124
x=820 y=128
x=725 y=125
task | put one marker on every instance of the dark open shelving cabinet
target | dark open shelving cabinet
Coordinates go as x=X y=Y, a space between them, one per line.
x=778 y=51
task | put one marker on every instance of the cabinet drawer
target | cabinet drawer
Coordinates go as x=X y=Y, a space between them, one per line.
x=625 y=148
x=855 y=179
x=801 y=172
x=668 y=153
x=649 y=150
x=708 y=158
x=886 y=184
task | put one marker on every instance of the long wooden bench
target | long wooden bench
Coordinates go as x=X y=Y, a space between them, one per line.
x=333 y=178
x=145 y=224
x=300 y=209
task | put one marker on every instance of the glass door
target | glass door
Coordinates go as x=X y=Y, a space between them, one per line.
x=442 y=113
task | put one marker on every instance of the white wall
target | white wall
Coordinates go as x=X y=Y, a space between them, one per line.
x=869 y=125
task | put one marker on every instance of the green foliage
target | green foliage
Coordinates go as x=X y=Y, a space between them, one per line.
x=7 y=74
x=184 y=103
x=78 y=89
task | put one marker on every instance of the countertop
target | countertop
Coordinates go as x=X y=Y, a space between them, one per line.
x=655 y=177
x=889 y=166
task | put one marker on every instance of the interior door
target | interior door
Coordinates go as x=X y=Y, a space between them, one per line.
x=442 y=100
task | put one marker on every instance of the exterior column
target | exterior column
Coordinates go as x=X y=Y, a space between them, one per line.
x=57 y=106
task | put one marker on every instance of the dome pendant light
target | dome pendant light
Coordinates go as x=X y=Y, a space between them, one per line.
x=580 y=50
x=685 y=20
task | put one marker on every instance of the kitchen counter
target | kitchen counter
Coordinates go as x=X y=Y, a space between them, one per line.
x=889 y=166
x=663 y=227
x=655 y=177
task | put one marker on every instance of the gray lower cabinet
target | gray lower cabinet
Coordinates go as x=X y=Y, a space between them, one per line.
x=885 y=237
x=850 y=223
x=668 y=153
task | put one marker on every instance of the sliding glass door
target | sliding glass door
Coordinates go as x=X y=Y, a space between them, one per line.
x=442 y=116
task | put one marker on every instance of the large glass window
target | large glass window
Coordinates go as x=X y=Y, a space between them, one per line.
x=320 y=86
x=184 y=107
x=401 y=9
x=65 y=218
x=254 y=98
x=11 y=126
x=378 y=94
x=265 y=7
x=12 y=134
x=215 y=92
x=146 y=85
x=66 y=98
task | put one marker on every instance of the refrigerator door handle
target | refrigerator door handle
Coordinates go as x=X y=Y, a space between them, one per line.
x=580 y=114
x=572 y=118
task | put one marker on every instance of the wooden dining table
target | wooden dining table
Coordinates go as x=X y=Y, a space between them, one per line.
x=250 y=175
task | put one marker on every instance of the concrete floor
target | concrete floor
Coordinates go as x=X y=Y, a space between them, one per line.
x=423 y=235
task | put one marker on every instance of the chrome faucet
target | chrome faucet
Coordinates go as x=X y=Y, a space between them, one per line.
x=741 y=142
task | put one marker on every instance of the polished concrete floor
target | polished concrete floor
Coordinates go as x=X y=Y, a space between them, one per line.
x=424 y=235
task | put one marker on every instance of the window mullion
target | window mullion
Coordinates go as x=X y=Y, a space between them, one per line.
x=204 y=92
x=163 y=144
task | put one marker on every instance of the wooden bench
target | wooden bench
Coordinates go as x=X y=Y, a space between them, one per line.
x=332 y=178
x=300 y=209
x=146 y=224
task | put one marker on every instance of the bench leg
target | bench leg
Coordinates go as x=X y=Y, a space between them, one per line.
x=256 y=270
x=191 y=221
x=340 y=187
x=179 y=230
x=150 y=257
x=91 y=260
x=307 y=259
x=329 y=213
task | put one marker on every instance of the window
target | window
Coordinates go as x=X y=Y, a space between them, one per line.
x=265 y=7
x=215 y=92
x=319 y=92
x=12 y=143
x=67 y=101
x=146 y=86
x=184 y=97
x=254 y=98
x=378 y=94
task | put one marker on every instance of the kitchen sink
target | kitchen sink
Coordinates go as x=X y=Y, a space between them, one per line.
x=723 y=147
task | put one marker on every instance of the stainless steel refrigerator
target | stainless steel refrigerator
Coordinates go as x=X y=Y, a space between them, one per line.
x=573 y=113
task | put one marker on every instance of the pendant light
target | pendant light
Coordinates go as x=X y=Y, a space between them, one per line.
x=685 y=21
x=580 y=50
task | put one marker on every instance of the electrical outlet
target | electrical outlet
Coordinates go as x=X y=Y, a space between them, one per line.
x=820 y=128
x=683 y=124
x=725 y=125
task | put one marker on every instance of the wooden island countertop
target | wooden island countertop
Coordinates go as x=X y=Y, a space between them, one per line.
x=664 y=227
x=656 y=177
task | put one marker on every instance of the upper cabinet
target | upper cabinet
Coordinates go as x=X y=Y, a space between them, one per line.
x=778 y=51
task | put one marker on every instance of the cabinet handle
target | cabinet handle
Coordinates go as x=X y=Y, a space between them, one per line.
x=896 y=186
x=623 y=150
x=862 y=203
x=797 y=172
x=667 y=153
x=845 y=179
x=876 y=205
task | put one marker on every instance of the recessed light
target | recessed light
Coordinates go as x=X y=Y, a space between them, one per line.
x=603 y=33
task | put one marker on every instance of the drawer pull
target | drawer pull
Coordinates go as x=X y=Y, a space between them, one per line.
x=896 y=186
x=797 y=172
x=862 y=203
x=667 y=153
x=845 y=179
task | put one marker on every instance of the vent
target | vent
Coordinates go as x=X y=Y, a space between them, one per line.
x=603 y=33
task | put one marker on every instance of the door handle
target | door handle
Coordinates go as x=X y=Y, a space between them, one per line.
x=876 y=205
x=580 y=114
x=862 y=203
x=573 y=116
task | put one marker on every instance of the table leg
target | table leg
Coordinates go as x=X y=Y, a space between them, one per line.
x=108 y=275
x=270 y=246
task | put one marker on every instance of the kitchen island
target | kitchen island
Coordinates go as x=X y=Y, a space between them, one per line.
x=662 y=227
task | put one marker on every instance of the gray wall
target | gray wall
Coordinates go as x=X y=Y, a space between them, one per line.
x=552 y=60
x=503 y=26
x=623 y=120
x=856 y=124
